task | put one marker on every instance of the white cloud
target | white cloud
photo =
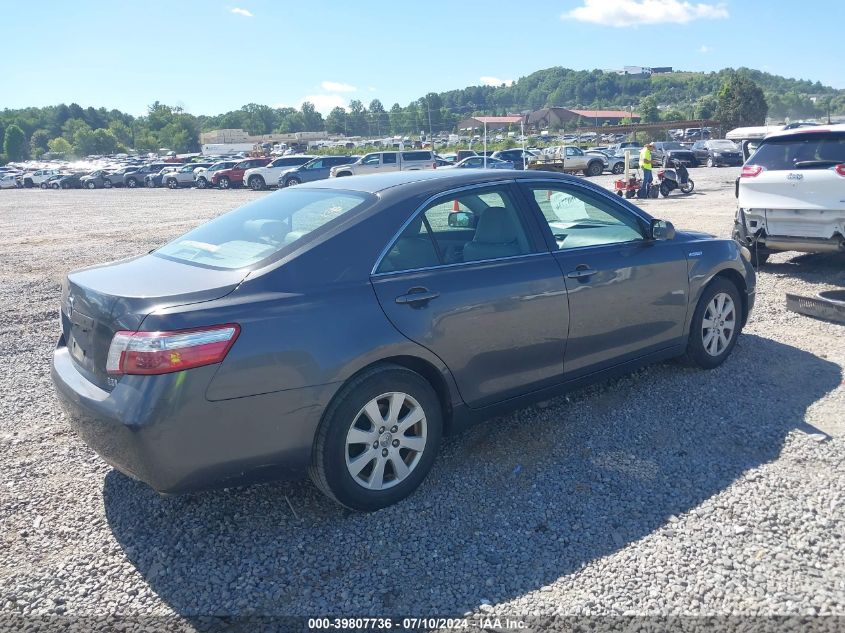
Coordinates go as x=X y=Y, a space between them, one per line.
x=372 y=89
x=336 y=86
x=622 y=13
x=705 y=49
x=487 y=80
x=324 y=103
x=243 y=12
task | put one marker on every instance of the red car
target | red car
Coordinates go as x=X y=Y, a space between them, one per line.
x=234 y=177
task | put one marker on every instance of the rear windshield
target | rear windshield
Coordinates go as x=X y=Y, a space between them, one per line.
x=260 y=230
x=801 y=151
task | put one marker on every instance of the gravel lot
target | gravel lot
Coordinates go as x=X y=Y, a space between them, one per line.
x=672 y=491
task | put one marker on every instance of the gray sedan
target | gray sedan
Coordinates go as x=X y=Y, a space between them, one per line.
x=345 y=327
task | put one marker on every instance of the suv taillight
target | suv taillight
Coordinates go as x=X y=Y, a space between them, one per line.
x=751 y=171
x=840 y=169
x=144 y=353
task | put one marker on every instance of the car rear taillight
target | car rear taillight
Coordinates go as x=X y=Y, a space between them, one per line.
x=840 y=169
x=144 y=353
x=751 y=171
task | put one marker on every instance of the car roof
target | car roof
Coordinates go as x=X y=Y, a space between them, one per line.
x=800 y=132
x=434 y=181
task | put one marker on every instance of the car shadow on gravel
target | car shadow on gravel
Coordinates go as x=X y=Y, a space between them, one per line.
x=511 y=505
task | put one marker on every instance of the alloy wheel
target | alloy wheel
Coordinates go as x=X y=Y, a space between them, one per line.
x=719 y=324
x=386 y=441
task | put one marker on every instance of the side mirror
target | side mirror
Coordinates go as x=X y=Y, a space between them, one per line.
x=662 y=230
x=462 y=220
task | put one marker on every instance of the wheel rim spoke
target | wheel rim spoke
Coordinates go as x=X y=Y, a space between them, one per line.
x=359 y=436
x=399 y=466
x=377 y=477
x=372 y=412
x=359 y=463
x=413 y=416
x=396 y=402
x=416 y=444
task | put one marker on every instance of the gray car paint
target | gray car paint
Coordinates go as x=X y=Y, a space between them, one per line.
x=314 y=317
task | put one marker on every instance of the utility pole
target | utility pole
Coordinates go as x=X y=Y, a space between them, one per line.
x=430 y=129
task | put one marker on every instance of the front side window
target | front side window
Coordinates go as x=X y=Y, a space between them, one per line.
x=480 y=225
x=261 y=229
x=371 y=159
x=578 y=218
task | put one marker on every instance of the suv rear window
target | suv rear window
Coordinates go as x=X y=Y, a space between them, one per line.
x=807 y=150
x=261 y=230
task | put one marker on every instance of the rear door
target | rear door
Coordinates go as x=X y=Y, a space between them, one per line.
x=627 y=295
x=480 y=291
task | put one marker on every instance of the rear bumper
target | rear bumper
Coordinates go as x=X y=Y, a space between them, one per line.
x=163 y=431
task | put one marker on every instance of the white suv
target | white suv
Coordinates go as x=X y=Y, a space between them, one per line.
x=791 y=193
x=259 y=178
x=39 y=176
x=378 y=162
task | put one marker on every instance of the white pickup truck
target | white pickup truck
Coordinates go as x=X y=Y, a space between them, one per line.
x=387 y=161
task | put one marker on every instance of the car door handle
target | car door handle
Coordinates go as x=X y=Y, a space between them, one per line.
x=582 y=272
x=417 y=296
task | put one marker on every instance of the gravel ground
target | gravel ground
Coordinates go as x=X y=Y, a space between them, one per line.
x=672 y=491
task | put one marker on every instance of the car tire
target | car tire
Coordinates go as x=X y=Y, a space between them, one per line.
x=343 y=174
x=107 y=184
x=708 y=346
x=91 y=184
x=710 y=162
x=375 y=481
x=595 y=168
x=43 y=185
x=224 y=182
x=202 y=183
x=293 y=181
x=56 y=185
x=131 y=183
x=172 y=183
x=618 y=168
x=256 y=183
x=150 y=184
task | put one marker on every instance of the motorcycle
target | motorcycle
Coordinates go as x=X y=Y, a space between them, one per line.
x=674 y=177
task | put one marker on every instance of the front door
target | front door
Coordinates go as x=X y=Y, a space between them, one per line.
x=471 y=282
x=628 y=295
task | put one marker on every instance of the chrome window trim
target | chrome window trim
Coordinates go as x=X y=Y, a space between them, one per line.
x=418 y=210
x=388 y=273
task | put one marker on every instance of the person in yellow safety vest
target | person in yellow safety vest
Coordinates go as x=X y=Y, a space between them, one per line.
x=645 y=165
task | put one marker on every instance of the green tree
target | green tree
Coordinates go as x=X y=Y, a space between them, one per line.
x=38 y=142
x=741 y=102
x=648 y=110
x=336 y=121
x=121 y=132
x=311 y=119
x=59 y=146
x=14 y=144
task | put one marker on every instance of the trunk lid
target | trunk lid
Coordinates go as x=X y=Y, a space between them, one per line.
x=99 y=301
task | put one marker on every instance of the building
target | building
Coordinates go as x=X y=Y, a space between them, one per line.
x=493 y=122
x=559 y=118
x=240 y=136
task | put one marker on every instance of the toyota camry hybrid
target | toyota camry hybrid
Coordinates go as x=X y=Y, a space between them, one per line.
x=343 y=327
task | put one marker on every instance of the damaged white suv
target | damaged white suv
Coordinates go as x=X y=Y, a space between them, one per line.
x=791 y=193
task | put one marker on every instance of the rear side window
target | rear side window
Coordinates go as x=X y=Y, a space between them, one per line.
x=261 y=230
x=389 y=158
x=407 y=156
x=475 y=226
x=801 y=151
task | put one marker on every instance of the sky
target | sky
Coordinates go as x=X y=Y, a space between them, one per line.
x=210 y=57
